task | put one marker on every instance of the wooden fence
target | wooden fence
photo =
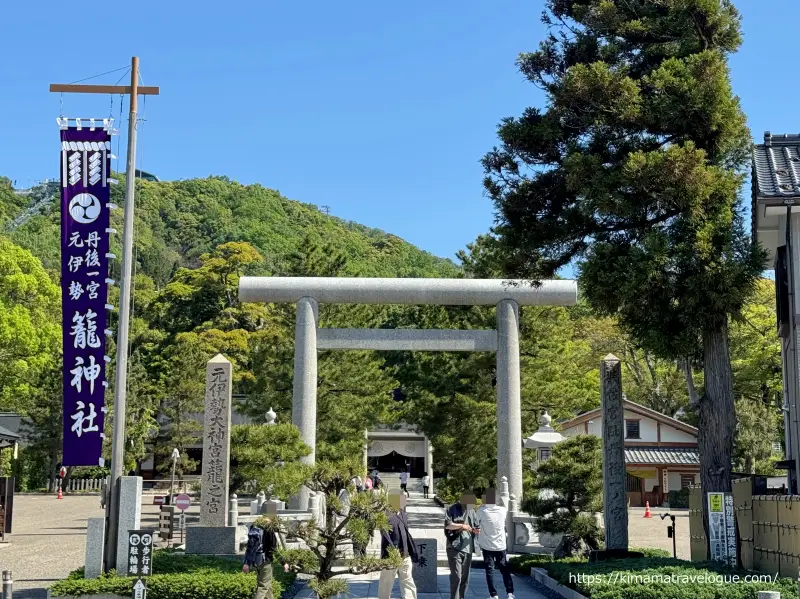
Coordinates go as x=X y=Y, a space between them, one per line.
x=84 y=484
x=768 y=527
x=698 y=545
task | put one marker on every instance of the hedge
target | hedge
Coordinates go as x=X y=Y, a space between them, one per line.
x=684 y=585
x=678 y=499
x=178 y=576
x=522 y=564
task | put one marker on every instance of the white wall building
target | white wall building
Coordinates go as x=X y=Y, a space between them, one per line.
x=661 y=452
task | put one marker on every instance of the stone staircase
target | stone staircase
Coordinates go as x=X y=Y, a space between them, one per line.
x=391 y=480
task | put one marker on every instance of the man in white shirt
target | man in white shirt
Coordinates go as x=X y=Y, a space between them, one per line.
x=491 y=520
x=426 y=484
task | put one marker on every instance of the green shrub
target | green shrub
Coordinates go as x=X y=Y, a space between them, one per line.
x=522 y=564
x=652 y=552
x=178 y=576
x=575 y=483
x=615 y=585
x=177 y=562
x=678 y=499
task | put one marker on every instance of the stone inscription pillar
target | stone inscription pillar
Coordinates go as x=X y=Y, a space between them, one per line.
x=216 y=443
x=304 y=394
x=509 y=411
x=615 y=508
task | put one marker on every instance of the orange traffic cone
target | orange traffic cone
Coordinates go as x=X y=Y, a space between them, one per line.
x=647 y=513
x=60 y=494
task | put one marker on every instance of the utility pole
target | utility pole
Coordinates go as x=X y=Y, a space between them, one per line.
x=120 y=382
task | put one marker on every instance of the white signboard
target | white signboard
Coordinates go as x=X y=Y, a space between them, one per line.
x=722 y=528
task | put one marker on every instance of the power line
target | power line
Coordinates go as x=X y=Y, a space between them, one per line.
x=100 y=75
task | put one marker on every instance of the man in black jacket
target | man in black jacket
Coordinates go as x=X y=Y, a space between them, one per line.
x=398 y=537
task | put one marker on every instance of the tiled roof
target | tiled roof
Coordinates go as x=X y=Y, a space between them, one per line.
x=7 y=438
x=661 y=455
x=776 y=164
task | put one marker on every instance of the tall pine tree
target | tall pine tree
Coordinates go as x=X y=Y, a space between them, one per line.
x=633 y=169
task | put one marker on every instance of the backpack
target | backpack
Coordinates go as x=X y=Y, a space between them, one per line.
x=254 y=554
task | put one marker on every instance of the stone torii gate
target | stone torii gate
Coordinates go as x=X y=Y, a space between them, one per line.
x=507 y=295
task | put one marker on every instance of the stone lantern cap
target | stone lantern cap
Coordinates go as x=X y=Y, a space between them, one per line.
x=546 y=436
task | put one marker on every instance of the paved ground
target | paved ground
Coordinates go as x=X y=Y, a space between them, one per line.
x=366 y=587
x=49 y=537
x=426 y=521
x=48 y=540
x=652 y=532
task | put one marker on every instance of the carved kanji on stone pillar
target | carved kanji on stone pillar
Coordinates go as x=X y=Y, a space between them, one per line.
x=615 y=505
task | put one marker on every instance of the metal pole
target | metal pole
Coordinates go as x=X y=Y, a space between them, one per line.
x=8 y=584
x=793 y=386
x=175 y=455
x=674 y=539
x=120 y=381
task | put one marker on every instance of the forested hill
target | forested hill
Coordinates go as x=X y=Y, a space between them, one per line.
x=178 y=221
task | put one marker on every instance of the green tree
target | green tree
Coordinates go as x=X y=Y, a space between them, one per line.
x=182 y=403
x=349 y=517
x=757 y=382
x=267 y=458
x=756 y=431
x=756 y=348
x=30 y=332
x=43 y=429
x=633 y=169
x=567 y=492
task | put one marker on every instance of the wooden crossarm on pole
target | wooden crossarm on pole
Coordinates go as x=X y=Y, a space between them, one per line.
x=71 y=88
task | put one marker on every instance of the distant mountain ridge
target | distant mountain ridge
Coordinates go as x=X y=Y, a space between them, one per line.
x=178 y=221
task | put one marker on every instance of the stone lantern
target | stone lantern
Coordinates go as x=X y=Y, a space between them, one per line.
x=543 y=439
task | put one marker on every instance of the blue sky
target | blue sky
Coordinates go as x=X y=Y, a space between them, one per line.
x=381 y=112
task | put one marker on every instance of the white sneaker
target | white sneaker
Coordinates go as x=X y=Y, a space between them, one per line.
x=511 y=596
x=494 y=597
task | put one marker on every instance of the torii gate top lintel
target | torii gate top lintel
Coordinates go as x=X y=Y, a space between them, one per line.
x=419 y=291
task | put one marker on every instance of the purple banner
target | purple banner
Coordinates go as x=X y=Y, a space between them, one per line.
x=85 y=168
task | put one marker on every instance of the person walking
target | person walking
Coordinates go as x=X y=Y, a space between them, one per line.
x=398 y=537
x=459 y=529
x=261 y=545
x=404 y=482
x=426 y=484
x=491 y=525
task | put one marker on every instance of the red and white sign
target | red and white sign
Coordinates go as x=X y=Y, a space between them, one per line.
x=182 y=502
x=158 y=500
